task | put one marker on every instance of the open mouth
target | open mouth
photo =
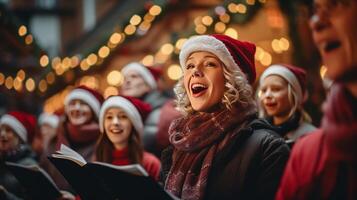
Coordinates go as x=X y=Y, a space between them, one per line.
x=330 y=46
x=270 y=105
x=198 y=88
x=116 y=131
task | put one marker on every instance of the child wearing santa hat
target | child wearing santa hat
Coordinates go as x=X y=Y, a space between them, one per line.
x=281 y=93
x=16 y=132
x=121 y=123
x=220 y=149
x=142 y=82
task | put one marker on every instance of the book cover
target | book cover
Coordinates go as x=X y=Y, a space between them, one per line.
x=98 y=180
x=36 y=181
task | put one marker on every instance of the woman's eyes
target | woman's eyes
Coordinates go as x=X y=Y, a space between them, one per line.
x=109 y=117
x=206 y=64
x=190 y=66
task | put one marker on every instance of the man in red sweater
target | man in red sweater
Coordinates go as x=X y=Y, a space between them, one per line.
x=324 y=165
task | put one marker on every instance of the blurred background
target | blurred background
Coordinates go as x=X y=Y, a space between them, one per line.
x=48 y=47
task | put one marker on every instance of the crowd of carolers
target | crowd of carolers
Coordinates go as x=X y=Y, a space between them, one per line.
x=219 y=138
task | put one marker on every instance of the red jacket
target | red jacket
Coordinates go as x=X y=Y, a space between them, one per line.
x=310 y=174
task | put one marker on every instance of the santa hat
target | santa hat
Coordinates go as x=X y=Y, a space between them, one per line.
x=136 y=110
x=23 y=124
x=149 y=74
x=50 y=119
x=233 y=53
x=295 y=76
x=93 y=98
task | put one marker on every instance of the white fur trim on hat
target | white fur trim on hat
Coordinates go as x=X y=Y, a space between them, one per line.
x=209 y=44
x=143 y=71
x=16 y=125
x=85 y=96
x=52 y=120
x=287 y=75
x=127 y=107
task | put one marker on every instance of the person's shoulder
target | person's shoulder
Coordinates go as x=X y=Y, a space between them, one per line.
x=150 y=158
x=309 y=143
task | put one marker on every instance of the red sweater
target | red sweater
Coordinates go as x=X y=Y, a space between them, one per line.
x=150 y=163
x=310 y=174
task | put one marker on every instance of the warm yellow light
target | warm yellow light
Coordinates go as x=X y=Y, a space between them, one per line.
x=200 y=29
x=149 y=18
x=28 y=39
x=224 y=18
x=267 y=59
x=92 y=59
x=135 y=20
x=103 y=51
x=50 y=77
x=66 y=63
x=174 y=72
x=30 y=85
x=275 y=45
x=74 y=61
x=115 y=78
x=284 y=44
x=259 y=53
x=115 y=38
x=59 y=71
x=207 y=20
x=198 y=20
x=167 y=49
x=22 y=30
x=56 y=62
x=84 y=65
x=2 y=78
x=44 y=60
x=110 y=91
x=145 y=25
x=250 y=2
x=148 y=60
x=90 y=81
x=155 y=10
x=232 y=8
x=130 y=29
x=9 y=82
x=18 y=84
x=219 y=27
x=21 y=74
x=241 y=8
x=160 y=57
x=262 y=1
x=231 y=32
x=323 y=71
x=42 y=86
x=180 y=42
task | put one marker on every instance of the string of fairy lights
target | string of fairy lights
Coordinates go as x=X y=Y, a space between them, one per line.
x=58 y=66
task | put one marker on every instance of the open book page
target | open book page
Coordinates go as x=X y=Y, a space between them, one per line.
x=135 y=169
x=67 y=153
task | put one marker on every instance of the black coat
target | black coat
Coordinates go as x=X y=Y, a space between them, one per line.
x=249 y=167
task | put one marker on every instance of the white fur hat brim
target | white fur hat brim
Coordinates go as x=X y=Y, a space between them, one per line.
x=143 y=71
x=287 y=75
x=127 y=107
x=85 y=96
x=52 y=120
x=209 y=44
x=16 y=125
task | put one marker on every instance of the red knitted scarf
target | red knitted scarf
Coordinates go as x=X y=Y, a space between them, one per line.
x=197 y=138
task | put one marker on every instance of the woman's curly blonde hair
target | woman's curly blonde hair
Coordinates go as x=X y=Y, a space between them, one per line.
x=237 y=89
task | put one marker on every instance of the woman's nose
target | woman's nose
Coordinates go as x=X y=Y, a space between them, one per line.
x=197 y=73
x=319 y=21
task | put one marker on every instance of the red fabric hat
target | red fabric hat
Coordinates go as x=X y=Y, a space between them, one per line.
x=136 y=110
x=92 y=97
x=233 y=53
x=295 y=76
x=150 y=74
x=23 y=124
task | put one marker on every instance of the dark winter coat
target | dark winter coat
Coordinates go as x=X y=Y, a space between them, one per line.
x=23 y=155
x=249 y=167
